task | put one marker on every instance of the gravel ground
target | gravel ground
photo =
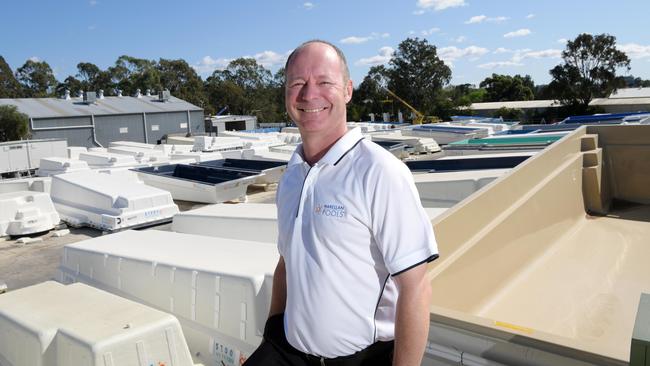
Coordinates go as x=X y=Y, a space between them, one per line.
x=24 y=265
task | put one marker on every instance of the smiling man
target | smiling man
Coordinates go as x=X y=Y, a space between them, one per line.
x=350 y=287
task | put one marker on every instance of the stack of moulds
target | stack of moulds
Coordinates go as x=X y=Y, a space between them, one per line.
x=25 y=213
x=53 y=166
x=196 y=156
x=236 y=221
x=254 y=139
x=290 y=138
x=74 y=151
x=214 y=143
x=290 y=130
x=444 y=190
x=267 y=171
x=283 y=149
x=219 y=289
x=444 y=134
x=399 y=149
x=34 y=184
x=180 y=140
x=105 y=160
x=265 y=154
x=231 y=221
x=57 y=325
x=142 y=155
x=415 y=143
x=196 y=183
x=109 y=202
x=466 y=163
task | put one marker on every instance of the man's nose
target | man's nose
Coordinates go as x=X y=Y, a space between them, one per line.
x=308 y=91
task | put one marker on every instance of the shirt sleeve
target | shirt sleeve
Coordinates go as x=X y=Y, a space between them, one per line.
x=400 y=225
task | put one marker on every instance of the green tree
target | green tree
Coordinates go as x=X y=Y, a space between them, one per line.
x=368 y=97
x=71 y=84
x=508 y=113
x=13 y=124
x=36 y=78
x=417 y=75
x=130 y=74
x=502 y=88
x=9 y=86
x=182 y=81
x=588 y=71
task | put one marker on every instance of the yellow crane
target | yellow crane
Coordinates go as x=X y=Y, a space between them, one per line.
x=419 y=117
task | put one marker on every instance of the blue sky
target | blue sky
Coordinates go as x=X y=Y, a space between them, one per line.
x=475 y=37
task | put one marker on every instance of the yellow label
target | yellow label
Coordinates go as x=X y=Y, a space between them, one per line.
x=513 y=327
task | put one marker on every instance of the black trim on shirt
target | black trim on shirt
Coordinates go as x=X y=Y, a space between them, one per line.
x=374 y=318
x=430 y=259
x=350 y=149
x=301 y=189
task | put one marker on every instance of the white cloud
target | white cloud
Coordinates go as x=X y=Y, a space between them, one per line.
x=476 y=19
x=460 y=39
x=355 y=40
x=635 y=51
x=502 y=50
x=308 y=5
x=385 y=53
x=418 y=12
x=430 y=31
x=438 y=5
x=530 y=16
x=358 y=40
x=207 y=65
x=482 y=18
x=452 y=53
x=562 y=40
x=34 y=59
x=270 y=58
x=518 y=33
x=411 y=32
x=91 y=27
x=549 y=53
x=499 y=64
x=93 y=2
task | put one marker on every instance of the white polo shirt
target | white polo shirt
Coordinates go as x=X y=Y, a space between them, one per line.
x=346 y=224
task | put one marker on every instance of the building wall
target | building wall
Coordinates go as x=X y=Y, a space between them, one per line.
x=74 y=136
x=123 y=127
x=128 y=127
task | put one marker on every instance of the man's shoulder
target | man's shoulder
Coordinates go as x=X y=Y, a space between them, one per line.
x=372 y=155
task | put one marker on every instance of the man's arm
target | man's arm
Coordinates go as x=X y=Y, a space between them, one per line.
x=412 y=316
x=279 y=292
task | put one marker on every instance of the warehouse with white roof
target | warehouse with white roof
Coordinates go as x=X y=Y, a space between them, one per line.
x=94 y=120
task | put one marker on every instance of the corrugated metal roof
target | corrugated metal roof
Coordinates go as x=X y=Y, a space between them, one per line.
x=55 y=107
x=631 y=93
x=525 y=104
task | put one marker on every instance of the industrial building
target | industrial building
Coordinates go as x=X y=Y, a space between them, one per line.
x=620 y=101
x=94 y=120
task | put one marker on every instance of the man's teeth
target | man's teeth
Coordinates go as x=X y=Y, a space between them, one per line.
x=313 y=110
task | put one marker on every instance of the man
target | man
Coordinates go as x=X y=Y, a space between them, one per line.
x=352 y=236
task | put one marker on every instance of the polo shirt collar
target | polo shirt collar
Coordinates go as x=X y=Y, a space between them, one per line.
x=336 y=152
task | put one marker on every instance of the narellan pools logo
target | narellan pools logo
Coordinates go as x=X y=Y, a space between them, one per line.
x=330 y=210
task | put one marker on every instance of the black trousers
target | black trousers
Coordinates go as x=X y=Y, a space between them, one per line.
x=275 y=350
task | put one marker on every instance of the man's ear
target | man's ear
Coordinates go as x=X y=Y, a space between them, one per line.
x=348 y=88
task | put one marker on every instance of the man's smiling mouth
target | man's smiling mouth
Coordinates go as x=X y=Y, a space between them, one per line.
x=315 y=110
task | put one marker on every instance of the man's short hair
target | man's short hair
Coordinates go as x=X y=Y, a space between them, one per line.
x=344 y=62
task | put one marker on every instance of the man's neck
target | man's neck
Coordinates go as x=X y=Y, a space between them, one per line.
x=315 y=147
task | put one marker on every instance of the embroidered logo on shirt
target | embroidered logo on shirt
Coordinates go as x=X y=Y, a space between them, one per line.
x=330 y=210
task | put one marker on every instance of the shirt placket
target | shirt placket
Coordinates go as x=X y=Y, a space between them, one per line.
x=307 y=186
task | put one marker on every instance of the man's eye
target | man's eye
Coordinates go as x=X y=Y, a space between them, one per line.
x=326 y=83
x=298 y=83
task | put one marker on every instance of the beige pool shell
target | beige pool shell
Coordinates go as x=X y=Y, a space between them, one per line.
x=546 y=265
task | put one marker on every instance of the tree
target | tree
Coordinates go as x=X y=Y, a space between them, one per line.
x=9 y=86
x=70 y=84
x=368 y=96
x=417 y=75
x=13 y=124
x=36 y=78
x=130 y=74
x=588 y=71
x=502 y=88
x=182 y=81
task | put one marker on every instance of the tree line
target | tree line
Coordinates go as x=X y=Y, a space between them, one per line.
x=415 y=73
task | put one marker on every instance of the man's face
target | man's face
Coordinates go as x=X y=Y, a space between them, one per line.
x=316 y=93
